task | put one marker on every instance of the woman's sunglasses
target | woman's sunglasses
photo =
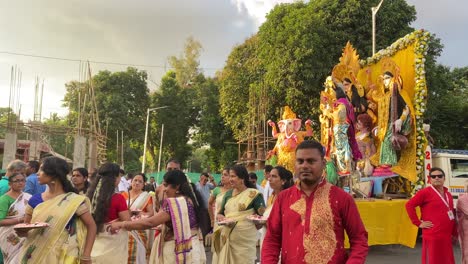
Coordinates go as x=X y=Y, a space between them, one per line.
x=440 y=176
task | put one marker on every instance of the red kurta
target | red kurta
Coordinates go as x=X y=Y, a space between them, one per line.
x=311 y=229
x=437 y=241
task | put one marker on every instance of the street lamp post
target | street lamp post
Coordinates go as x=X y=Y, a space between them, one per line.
x=374 y=9
x=146 y=135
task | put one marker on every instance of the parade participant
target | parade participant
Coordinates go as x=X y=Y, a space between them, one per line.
x=151 y=185
x=236 y=242
x=124 y=184
x=140 y=204
x=107 y=207
x=437 y=219
x=253 y=179
x=266 y=182
x=204 y=186
x=280 y=179
x=12 y=208
x=462 y=216
x=80 y=180
x=171 y=165
x=16 y=166
x=71 y=232
x=178 y=241
x=214 y=204
x=32 y=183
x=307 y=222
x=217 y=195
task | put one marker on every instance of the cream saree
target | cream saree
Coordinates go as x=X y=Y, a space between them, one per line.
x=138 y=239
x=186 y=246
x=237 y=244
x=10 y=243
x=110 y=248
x=218 y=203
x=57 y=244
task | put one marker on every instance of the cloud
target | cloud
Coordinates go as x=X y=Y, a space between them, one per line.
x=258 y=9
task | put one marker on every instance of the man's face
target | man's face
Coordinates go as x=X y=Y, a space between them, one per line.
x=437 y=178
x=267 y=175
x=172 y=166
x=203 y=179
x=151 y=180
x=309 y=166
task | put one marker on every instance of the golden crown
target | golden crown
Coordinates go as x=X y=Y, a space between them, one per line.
x=288 y=113
x=388 y=65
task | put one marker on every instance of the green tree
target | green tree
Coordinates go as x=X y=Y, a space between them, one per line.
x=186 y=66
x=243 y=71
x=178 y=118
x=447 y=106
x=210 y=128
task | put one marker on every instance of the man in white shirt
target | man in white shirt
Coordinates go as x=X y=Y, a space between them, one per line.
x=123 y=185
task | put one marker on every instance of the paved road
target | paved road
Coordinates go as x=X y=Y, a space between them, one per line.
x=391 y=254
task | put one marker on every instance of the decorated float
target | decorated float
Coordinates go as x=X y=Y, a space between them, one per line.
x=372 y=127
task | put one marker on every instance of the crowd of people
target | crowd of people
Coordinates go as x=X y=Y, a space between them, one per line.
x=297 y=217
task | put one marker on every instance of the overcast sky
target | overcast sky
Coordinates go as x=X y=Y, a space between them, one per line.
x=146 y=32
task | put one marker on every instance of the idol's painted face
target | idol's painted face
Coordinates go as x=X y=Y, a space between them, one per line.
x=386 y=80
x=309 y=165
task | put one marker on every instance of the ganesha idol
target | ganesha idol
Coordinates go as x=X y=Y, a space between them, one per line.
x=289 y=137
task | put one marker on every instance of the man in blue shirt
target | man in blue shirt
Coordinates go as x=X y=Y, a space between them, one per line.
x=204 y=186
x=32 y=183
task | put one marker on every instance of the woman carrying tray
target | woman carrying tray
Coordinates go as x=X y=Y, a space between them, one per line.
x=12 y=208
x=71 y=232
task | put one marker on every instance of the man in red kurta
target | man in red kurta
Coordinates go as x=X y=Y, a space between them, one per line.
x=437 y=219
x=308 y=221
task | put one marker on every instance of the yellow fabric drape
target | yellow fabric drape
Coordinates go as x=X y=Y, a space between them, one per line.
x=387 y=223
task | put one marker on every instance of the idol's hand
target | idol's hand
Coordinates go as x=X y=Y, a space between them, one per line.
x=398 y=124
x=426 y=224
